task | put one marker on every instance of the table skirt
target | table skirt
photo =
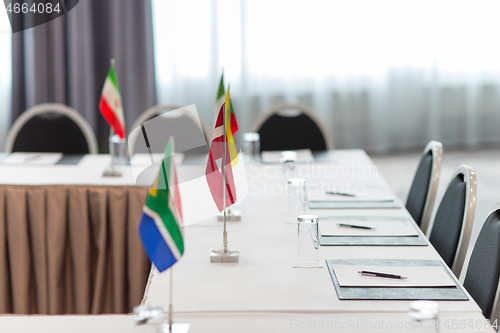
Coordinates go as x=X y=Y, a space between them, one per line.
x=71 y=249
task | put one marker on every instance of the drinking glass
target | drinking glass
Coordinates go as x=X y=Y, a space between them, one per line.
x=251 y=145
x=425 y=315
x=307 y=242
x=296 y=200
x=118 y=147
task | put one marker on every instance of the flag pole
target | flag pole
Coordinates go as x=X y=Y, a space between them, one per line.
x=227 y=211
x=112 y=134
x=112 y=149
x=224 y=177
x=224 y=255
x=112 y=172
x=170 y=307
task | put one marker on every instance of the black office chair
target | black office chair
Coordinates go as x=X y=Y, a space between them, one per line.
x=423 y=189
x=451 y=230
x=483 y=272
x=292 y=127
x=163 y=121
x=51 y=128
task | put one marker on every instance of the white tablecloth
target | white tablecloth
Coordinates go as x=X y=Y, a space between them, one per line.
x=264 y=279
x=262 y=292
x=87 y=172
x=361 y=322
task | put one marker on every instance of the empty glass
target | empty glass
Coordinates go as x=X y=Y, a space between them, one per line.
x=307 y=242
x=152 y=315
x=288 y=169
x=425 y=316
x=118 y=148
x=251 y=145
x=296 y=199
x=288 y=155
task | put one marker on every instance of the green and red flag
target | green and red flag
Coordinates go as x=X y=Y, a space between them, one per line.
x=110 y=103
x=221 y=98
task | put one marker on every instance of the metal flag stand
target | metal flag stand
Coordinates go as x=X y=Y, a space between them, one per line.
x=224 y=255
x=232 y=215
x=112 y=172
x=174 y=328
x=144 y=312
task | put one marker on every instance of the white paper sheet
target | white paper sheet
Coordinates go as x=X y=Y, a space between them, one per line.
x=403 y=227
x=303 y=155
x=33 y=158
x=417 y=276
x=361 y=193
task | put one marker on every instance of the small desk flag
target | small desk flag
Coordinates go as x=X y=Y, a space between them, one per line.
x=214 y=170
x=221 y=98
x=234 y=122
x=110 y=103
x=160 y=228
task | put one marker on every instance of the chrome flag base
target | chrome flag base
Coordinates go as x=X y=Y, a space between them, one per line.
x=231 y=216
x=221 y=256
x=111 y=173
x=176 y=328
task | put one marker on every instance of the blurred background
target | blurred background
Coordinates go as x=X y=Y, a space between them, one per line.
x=386 y=76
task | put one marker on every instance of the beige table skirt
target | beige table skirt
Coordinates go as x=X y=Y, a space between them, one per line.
x=71 y=249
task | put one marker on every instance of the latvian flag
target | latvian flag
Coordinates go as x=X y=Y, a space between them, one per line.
x=160 y=228
x=214 y=170
x=110 y=104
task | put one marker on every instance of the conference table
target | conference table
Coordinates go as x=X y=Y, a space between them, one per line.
x=262 y=292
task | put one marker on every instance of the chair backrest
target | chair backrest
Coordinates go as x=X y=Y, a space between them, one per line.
x=170 y=120
x=291 y=127
x=423 y=189
x=483 y=271
x=51 y=127
x=452 y=227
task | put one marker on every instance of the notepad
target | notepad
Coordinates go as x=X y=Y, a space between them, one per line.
x=403 y=227
x=417 y=276
x=303 y=156
x=360 y=192
x=33 y=158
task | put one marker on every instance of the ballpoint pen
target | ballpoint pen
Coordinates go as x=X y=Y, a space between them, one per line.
x=353 y=226
x=341 y=193
x=384 y=275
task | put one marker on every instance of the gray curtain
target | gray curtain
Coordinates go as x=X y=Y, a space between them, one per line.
x=66 y=60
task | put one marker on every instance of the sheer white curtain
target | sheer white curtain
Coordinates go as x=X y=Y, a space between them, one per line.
x=5 y=76
x=383 y=75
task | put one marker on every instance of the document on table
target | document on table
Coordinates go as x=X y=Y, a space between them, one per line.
x=354 y=193
x=303 y=156
x=381 y=228
x=417 y=276
x=33 y=158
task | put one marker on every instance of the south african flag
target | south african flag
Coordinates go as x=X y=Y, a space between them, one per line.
x=160 y=228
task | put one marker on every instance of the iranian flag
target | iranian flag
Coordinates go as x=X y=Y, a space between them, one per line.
x=110 y=104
